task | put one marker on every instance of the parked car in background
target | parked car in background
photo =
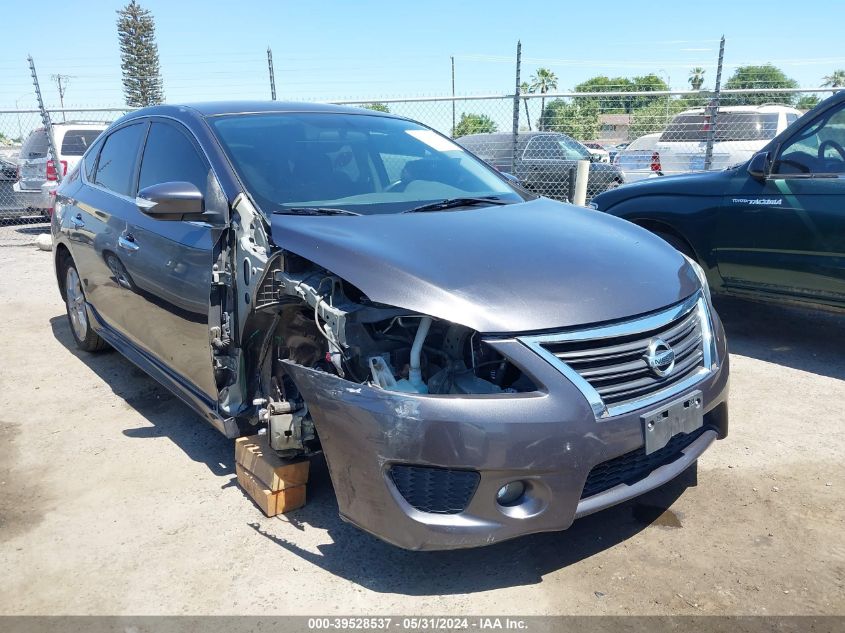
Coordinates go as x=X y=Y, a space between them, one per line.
x=474 y=361
x=35 y=167
x=599 y=151
x=740 y=131
x=772 y=228
x=543 y=161
x=640 y=159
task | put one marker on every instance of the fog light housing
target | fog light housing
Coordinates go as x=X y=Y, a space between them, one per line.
x=511 y=494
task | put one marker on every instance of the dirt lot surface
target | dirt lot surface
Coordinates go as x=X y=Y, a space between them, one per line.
x=116 y=499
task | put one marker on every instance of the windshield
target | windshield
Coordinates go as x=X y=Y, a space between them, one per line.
x=360 y=163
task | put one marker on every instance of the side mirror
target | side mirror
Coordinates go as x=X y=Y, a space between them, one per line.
x=758 y=166
x=171 y=201
x=511 y=178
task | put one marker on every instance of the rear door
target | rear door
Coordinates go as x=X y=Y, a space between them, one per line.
x=786 y=235
x=98 y=217
x=166 y=265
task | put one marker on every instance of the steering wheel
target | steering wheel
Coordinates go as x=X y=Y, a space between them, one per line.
x=830 y=143
x=399 y=185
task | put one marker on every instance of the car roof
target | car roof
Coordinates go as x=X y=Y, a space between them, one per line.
x=769 y=108
x=219 y=108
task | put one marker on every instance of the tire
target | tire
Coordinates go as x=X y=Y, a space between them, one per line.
x=77 y=313
x=677 y=243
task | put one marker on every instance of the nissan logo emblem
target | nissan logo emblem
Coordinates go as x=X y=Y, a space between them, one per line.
x=660 y=357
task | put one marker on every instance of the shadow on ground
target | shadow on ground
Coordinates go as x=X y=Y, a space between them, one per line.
x=169 y=417
x=796 y=337
x=360 y=558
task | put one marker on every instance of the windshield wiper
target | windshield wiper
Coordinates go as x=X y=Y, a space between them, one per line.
x=313 y=211
x=451 y=203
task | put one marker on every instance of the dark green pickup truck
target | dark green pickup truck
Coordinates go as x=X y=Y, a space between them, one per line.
x=771 y=228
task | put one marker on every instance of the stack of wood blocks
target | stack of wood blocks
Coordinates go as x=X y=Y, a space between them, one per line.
x=276 y=485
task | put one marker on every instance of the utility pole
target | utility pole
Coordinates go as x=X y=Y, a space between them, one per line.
x=713 y=109
x=453 y=95
x=516 y=106
x=272 y=74
x=61 y=83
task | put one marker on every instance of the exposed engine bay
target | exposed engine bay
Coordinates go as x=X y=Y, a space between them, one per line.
x=306 y=315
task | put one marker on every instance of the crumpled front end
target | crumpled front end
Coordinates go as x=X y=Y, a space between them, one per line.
x=428 y=471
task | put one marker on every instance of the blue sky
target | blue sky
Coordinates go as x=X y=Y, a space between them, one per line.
x=335 y=50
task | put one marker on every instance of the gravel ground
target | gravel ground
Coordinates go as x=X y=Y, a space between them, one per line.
x=116 y=499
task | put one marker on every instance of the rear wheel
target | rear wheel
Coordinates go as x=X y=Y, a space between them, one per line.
x=77 y=312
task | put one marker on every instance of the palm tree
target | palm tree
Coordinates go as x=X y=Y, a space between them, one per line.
x=696 y=78
x=835 y=80
x=525 y=89
x=543 y=81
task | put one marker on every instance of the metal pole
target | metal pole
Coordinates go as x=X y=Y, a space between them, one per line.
x=516 y=107
x=272 y=74
x=713 y=107
x=45 y=119
x=453 y=95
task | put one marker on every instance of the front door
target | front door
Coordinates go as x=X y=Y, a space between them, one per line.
x=166 y=265
x=785 y=236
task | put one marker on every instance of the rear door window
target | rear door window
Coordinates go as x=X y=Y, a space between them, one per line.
x=118 y=159
x=730 y=126
x=76 y=142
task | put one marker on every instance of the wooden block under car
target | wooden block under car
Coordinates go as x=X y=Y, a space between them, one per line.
x=254 y=454
x=271 y=503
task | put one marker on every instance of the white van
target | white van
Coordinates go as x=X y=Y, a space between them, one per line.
x=36 y=168
x=740 y=132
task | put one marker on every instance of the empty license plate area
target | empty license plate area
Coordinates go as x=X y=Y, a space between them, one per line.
x=682 y=416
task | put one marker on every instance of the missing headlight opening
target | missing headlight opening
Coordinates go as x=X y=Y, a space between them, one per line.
x=308 y=316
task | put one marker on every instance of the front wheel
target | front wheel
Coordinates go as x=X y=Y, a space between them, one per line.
x=77 y=313
x=678 y=243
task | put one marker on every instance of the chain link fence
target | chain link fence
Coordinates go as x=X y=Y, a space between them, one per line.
x=538 y=138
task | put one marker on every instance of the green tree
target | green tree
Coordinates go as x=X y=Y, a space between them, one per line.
x=807 y=102
x=756 y=77
x=654 y=117
x=524 y=88
x=836 y=79
x=142 y=84
x=471 y=123
x=621 y=104
x=543 y=81
x=578 y=120
x=696 y=78
x=378 y=107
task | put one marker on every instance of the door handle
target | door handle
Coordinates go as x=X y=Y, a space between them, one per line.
x=77 y=221
x=127 y=242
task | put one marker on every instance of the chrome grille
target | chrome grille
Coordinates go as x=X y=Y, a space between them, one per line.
x=609 y=363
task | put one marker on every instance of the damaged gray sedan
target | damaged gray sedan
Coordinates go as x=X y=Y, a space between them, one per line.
x=476 y=363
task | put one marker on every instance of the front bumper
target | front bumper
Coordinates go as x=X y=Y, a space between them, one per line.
x=551 y=439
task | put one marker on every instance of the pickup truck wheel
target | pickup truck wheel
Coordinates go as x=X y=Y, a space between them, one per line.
x=678 y=243
x=77 y=312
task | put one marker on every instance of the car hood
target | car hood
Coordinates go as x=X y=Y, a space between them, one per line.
x=703 y=183
x=522 y=267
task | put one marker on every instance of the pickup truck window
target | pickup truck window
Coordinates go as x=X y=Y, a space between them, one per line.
x=817 y=149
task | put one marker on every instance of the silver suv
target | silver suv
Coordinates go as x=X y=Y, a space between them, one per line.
x=37 y=171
